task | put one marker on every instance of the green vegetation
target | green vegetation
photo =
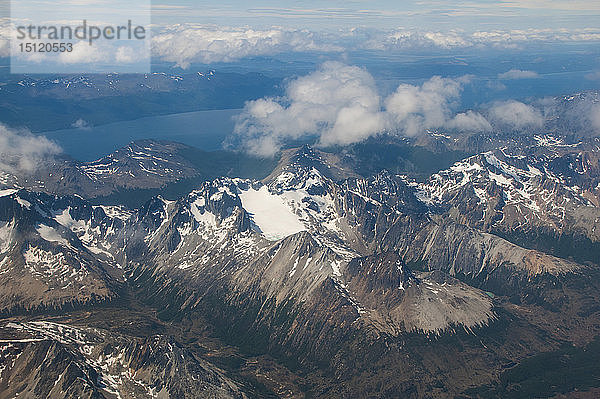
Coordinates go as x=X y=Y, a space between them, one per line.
x=578 y=248
x=373 y=156
x=547 y=374
x=417 y=265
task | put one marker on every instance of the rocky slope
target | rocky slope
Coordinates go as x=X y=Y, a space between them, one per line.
x=92 y=363
x=342 y=278
x=143 y=164
x=44 y=263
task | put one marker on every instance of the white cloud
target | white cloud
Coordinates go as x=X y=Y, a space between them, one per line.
x=5 y=31
x=415 y=108
x=21 y=151
x=400 y=39
x=518 y=74
x=82 y=53
x=517 y=37
x=81 y=124
x=184 y=44
x=446 y=40
x=516 y=114
x=353 y=124
x=339 y=104
x=125 y=55
x=470 y=121
x=188 y=43
x=408 y=39
x=85 y=56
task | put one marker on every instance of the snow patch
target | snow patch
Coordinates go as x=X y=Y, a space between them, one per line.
x=335 y=266
x=7 y=192
x=24 y=203
x=270 y=213
x=50 y=234
x=65 y=219
x=501 y=180
x=204 y=217
x=5 y=235
x=116 y=212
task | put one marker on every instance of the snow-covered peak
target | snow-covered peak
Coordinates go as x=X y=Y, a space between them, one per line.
x=140 y=160
x=498 y=189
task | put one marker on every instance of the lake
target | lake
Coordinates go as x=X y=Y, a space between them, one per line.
x=202 y=129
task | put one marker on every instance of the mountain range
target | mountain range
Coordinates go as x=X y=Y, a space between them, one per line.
x=470 y=269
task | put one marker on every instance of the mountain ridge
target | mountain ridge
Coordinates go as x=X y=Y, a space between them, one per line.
x=355 y=268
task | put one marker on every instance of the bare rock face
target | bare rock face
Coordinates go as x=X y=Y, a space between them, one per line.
x=292 y=269
x=43 y=262
x=62 y=361
x=395 y=300
x=459 y=249
x=46 y=368
x=307 y=158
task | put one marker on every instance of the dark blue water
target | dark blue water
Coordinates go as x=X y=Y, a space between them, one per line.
x=203 y=129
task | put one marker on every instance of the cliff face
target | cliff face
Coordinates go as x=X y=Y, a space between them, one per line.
x=45 y=264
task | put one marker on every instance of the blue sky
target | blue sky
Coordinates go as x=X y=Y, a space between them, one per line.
x=384 y=14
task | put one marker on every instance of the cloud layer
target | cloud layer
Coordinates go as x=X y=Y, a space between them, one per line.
x=516 y=115
x=5 y=32
x=412 y=109
x=183 y=44
x=188 y=43
x=595 y=117
x=339 y=104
